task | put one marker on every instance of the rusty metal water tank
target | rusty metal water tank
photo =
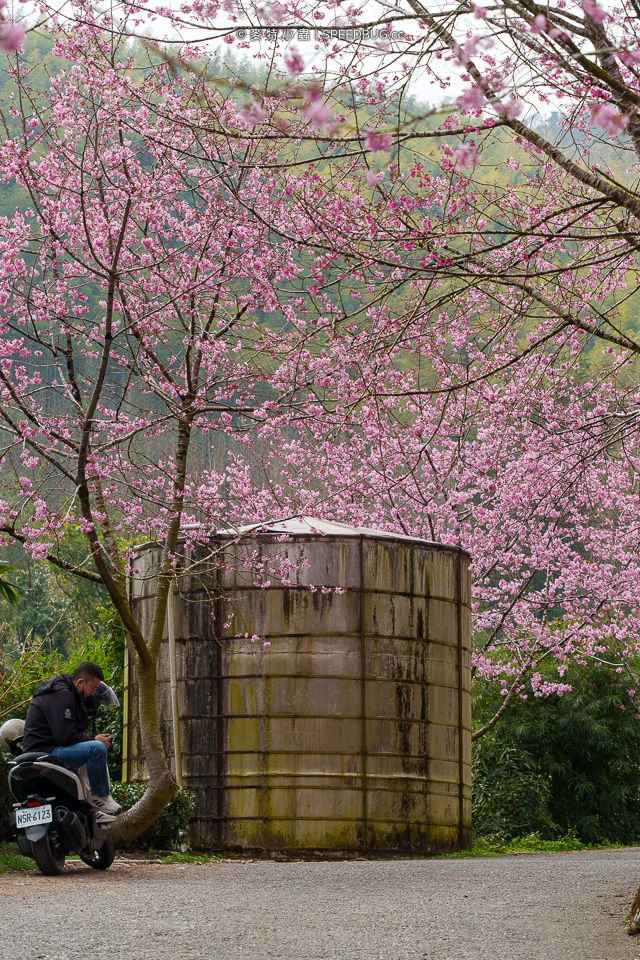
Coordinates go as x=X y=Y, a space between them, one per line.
x=352 y=731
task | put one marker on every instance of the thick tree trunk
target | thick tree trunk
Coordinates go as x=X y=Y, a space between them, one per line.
x=162 y=785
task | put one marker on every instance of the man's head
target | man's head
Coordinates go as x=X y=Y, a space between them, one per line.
x=87 y=677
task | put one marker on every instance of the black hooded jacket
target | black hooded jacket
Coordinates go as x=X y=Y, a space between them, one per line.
x=56 y=716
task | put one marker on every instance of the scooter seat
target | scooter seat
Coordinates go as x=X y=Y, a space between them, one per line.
x=45 y=757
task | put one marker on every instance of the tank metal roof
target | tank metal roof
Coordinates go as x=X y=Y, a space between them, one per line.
x=308 y=527
x=305 y=526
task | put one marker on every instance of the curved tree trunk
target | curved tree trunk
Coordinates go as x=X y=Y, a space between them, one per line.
x=162 y=785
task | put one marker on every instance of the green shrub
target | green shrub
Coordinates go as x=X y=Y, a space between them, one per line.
x=560 y=765
x=511 y=795
x=534 y=842
x=497 y=845
x=168 y=831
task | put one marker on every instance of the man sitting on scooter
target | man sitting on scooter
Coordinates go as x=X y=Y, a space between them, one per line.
x=56 y=723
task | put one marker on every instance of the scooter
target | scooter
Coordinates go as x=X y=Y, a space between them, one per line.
x=53 y=816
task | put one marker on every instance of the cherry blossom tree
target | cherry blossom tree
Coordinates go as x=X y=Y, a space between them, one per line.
x=499 y=407
x=380 y=321
x=531 y=484
x=518 y=437
x=136 y=297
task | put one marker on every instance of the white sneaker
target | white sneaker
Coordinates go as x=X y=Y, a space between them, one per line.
x=102 y=817
x=106 y=804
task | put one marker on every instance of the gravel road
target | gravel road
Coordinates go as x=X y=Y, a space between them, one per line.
x=563 y=906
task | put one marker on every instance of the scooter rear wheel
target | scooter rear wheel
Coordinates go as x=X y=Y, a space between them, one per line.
x=48 y=854
x=103 y=858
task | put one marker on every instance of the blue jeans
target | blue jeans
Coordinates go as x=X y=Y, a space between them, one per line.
x=94 y=754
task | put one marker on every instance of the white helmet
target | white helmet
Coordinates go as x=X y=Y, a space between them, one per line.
x=9 y=731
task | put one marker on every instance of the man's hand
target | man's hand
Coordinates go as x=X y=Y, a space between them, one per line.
x=104 y=738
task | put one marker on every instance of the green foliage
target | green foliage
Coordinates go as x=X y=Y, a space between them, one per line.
x=561 y=764
x=169 y=828
x=497 y=845
x=532 y=843
x=7 y=590
x=510 y=794
x=52 y=605
x=19 y=676
x=40 y=614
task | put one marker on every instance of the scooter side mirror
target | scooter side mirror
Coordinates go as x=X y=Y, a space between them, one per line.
x=105 y=696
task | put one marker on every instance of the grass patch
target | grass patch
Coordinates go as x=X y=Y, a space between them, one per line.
x=188 y=856
x=496 y=845
x=12 y=859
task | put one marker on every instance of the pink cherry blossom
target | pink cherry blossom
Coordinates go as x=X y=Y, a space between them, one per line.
x=253 y=114
x=316 y=111
x=469 y=48
x=605 y=116
x=294 y=62
x=376 y=141
x=11 y=36
x=510 y=108
x=594 y=10
x=473 y=98
x=374 y=177
x=466 y=157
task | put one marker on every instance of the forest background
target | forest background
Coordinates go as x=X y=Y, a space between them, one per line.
x=562 y=756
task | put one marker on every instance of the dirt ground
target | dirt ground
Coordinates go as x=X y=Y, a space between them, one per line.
x=562 y=906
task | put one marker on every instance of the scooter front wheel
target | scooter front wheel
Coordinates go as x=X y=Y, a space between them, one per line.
x=48 y=854
x=103 y=858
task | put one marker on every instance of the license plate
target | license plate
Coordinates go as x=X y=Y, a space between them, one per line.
x=30 y=816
